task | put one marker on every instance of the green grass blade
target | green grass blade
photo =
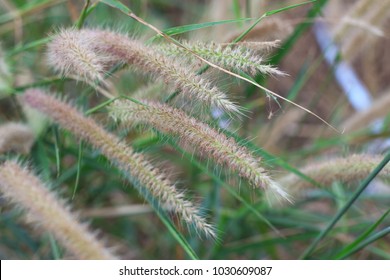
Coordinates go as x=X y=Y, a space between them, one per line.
x=100 y=106
x=350 y=202
x=83 y=16
x=57 y=149
x=117 y=5
x=351 y=247
x=79 y=162
x=192 y=27
x=28 y=46
x=55 y=249
x=43 y=83
x=367 y=242
x=273 y=12
x=28 y=8
x=236 y=9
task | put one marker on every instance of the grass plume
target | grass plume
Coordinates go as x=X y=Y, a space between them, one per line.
x=345 y=170
x=52 y=215
x=233 y=57
x=16 y=137
x=206 y=141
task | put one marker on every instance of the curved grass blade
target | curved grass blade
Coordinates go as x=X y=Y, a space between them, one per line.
x=192 y=27
x=55 y=249
x=85 y=13
x=117 y=5
x=28 y=46
x=368 y=241
x=347 y=251
x=79 y=163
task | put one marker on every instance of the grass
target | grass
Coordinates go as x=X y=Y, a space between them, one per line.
x=337 y=220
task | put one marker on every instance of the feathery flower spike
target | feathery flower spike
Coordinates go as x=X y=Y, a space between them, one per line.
x=345 y=170
x=43 y=208
x=232 y=57
x=16 y=137
x=206 y=140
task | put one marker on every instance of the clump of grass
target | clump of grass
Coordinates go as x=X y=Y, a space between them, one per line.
x=43 y=208
x=141 y=171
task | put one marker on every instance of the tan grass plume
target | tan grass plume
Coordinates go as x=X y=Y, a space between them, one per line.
x=43 y=208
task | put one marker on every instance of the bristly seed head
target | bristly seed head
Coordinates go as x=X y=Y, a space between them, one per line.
x=44 y=209
x=204 y=139
x=70 y=54
x=235 y=57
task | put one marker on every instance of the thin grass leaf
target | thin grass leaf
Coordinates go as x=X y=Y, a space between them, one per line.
x=243 y=246
x=84 y=14
x=43 y=83
x=367 y=242
x=28 y=46
x=192 y=27
x=79 y=163
x=27 y=8
x=344 y=253
x=55 y=249
x=117 y=5
x=100 y=106
x=266 y=14
x=236 y=9
x=57 y=150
